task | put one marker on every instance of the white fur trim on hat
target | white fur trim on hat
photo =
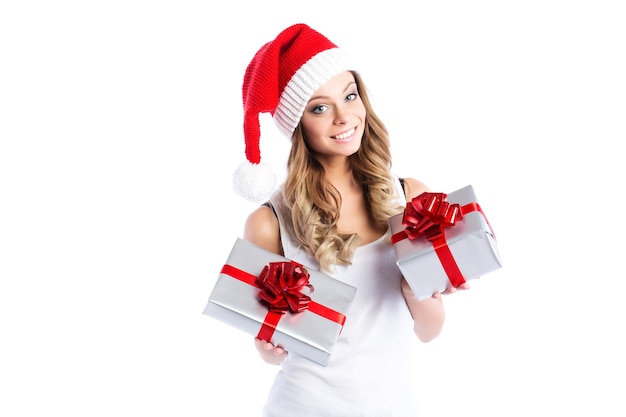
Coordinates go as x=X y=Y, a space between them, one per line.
x=309 y=77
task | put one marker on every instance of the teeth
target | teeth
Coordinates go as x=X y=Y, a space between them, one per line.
x=345 y=135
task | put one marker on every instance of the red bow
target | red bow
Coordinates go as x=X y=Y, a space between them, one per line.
x=427 y=214
x=281 y=286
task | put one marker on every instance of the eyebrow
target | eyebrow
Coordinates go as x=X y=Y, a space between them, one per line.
x=350 y=84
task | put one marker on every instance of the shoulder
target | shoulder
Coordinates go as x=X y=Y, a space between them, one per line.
x=413 y=188
x=262 y=229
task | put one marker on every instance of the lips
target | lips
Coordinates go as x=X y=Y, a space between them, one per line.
x=344 y=135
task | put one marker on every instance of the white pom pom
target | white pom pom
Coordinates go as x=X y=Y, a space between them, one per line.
x=254 y=182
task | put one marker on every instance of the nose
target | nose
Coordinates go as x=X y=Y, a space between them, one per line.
x=341 y=115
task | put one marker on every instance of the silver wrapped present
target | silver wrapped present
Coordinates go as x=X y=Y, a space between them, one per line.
x=443 y=240
x=275 y=299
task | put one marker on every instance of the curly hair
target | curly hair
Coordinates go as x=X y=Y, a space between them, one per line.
x=315 y=203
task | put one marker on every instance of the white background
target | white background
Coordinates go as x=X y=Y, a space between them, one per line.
x=120 y=126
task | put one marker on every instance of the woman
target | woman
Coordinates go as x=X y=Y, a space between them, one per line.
x=332 y=213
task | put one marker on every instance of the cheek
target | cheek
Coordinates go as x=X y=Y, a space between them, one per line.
x=313 y=141
x=314 y=128
x=362 y=111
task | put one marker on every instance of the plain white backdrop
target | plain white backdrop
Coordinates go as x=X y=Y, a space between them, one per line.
x=120 y=126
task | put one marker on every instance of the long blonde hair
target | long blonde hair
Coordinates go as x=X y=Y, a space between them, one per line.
x=315 y=202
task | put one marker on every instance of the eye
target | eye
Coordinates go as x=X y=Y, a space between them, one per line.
x=352 y=97
x=319 y=109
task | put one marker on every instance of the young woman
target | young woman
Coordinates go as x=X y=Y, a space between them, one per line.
x=331 y=213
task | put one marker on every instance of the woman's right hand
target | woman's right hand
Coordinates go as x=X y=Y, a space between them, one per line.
x=271 y=354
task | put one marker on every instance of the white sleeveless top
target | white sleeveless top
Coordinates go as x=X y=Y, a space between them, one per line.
x=369 y=371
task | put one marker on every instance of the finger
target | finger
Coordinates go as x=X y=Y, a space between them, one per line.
x=263 y=343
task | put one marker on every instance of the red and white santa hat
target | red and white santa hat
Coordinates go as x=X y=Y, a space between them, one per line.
x=280 y=80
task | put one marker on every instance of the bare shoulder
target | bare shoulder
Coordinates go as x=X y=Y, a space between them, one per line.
x=413 y=188
x=262 y=229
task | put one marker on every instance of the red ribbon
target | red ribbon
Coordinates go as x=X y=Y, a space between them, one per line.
x=281 y=287
x=281 y=284
x=429 y=214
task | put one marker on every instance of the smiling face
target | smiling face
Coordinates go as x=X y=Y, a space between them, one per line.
x=334 y=118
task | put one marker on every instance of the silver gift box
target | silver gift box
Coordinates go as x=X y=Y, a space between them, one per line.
x=471 y=241
x=307 y=334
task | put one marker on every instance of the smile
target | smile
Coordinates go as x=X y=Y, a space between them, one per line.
x=344 y=135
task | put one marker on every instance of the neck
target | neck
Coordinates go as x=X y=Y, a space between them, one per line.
x=340 y=175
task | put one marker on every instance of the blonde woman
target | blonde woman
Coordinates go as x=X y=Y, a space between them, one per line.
x=332 y=212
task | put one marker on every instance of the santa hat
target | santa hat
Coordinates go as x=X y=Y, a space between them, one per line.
x=280 y=80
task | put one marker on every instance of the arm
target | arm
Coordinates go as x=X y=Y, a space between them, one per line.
x=428 y=314
x=262 y=229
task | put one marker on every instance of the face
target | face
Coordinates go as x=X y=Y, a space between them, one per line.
x=334 y=118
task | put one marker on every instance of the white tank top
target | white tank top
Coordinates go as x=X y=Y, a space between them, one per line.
x=369 y=371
